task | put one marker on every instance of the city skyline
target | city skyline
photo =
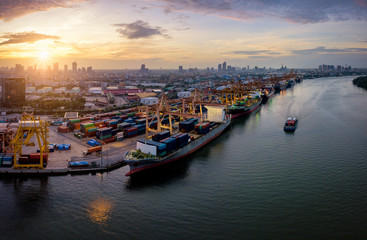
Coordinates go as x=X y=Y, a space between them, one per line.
x=167 y=34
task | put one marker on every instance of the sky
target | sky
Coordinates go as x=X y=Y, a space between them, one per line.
x=122 y=34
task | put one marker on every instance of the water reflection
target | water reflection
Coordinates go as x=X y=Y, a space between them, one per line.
x=30 y=194
x=164 y=174
x=100 y=210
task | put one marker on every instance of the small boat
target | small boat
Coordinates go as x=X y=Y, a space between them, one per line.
x=291 y=124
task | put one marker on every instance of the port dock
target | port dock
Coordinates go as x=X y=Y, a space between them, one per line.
x=110 y=158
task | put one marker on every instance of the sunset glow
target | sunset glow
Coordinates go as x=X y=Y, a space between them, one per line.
x=166 y=34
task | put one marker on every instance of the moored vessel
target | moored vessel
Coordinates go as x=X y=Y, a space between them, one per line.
x=242 y=108
x=154 y=151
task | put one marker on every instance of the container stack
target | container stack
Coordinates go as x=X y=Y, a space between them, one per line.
x=129 y=120
x=84 y=126
x=112 y=123
x=202 y=128
x=74 y=124
x=104 y=133
x=141 y=128
x=140 y=121
x=123 y=125
x=171 y=144
x=63 y=129
x=91 y=132
x=33 y=158
x=1 y=158
x=161 y=135
x=160 y=147
x=109 y=140
x=131 y=132
x=7 y=160
x=182 y=139
x=119 y=136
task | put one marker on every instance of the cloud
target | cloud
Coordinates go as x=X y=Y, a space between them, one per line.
x=311 y=11
x=255 y=52
x=139 y=29
x=321 y=50
x=24 y=37
x=10 y=9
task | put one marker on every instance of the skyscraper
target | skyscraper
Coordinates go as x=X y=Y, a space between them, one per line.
x=75 y=67
x=180 y=69
x=219 y=67
x=56 y=68
x=224 y=66
x=65 y=68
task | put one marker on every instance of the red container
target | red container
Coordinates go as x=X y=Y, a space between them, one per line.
x=91 y=134
x=63 y=129
x=131 y=129
x=35 y=156
x=109 y=140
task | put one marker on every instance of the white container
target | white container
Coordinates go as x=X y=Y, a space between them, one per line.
x=145 y=148
x=149 y=101
x=184 y=94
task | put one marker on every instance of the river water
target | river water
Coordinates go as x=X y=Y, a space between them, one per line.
x=253 y=182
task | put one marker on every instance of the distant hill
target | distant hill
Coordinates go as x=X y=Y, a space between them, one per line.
x=361 y=82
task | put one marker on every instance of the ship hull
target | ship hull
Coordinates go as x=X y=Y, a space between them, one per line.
x=137 y=167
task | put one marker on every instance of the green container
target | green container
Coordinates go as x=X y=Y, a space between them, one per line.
x=76 y=120
x=92 y=129
x=88 y=125
x=132 y=114
x=105 y=137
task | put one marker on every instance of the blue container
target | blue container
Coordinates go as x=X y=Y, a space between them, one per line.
x=1 y=158
x=161 y=135
x=129 y=120
x=161 y=147
x=8 y=160
x=79 y=164
x=170 y=144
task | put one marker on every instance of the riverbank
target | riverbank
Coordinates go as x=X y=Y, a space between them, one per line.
x=361 y=82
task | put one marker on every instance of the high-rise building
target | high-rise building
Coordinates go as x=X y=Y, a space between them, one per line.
x=19 y=68
x=13 y=91
x=224 y=66
x=75 y=67
x=65 y=69
x=180 y=69
x=89 y=70
x=56 y=68
x=219 y=67
x=143 y=69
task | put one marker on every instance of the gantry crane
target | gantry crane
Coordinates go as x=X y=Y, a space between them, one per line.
x=30 y=126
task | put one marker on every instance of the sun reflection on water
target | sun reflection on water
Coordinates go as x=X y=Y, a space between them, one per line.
x=100 y=210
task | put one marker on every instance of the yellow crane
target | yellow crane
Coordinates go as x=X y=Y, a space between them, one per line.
x=30 y=126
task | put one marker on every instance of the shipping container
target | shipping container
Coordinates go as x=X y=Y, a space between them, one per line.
x=170 y=143
x=161 y=135
x=8 y=160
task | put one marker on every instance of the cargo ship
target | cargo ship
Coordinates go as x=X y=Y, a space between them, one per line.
x=241 y=108
x=192 y=136
x=291 y=124
x=267 y=92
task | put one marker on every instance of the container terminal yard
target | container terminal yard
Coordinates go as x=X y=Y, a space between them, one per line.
x=100 y=142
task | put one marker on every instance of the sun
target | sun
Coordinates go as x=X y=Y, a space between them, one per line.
x=43 y=55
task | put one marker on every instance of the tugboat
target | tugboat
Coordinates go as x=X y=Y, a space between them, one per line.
x=291 y=124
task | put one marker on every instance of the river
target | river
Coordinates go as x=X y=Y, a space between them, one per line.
x=253 y=182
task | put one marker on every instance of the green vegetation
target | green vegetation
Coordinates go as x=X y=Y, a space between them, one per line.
x=361 y=82
x=139 y=154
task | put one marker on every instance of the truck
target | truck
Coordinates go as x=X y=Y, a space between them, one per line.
x=92 y=150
